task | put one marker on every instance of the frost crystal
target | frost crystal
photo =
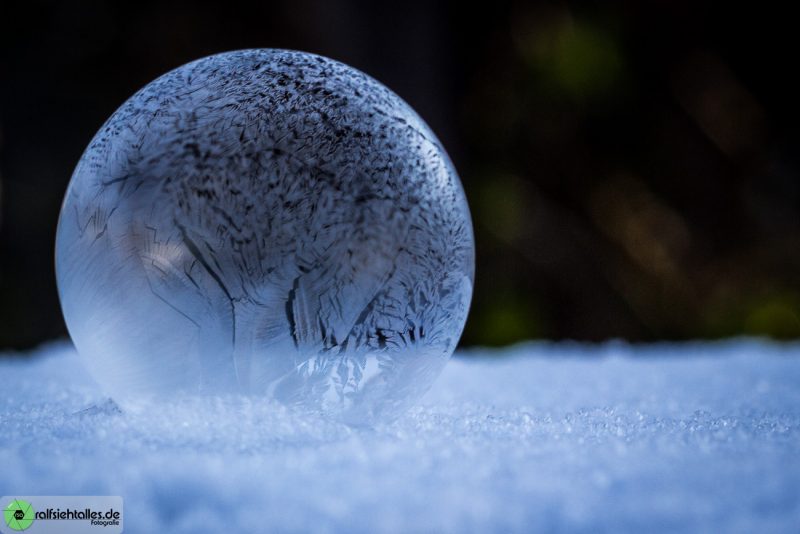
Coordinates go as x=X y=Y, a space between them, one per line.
x=268 y=222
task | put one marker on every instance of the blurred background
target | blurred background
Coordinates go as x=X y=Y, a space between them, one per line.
x=632 y=167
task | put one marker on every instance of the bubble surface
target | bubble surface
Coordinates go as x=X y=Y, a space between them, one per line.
x=266 y=222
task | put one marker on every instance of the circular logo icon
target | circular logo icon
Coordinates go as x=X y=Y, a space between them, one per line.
x=18 y=514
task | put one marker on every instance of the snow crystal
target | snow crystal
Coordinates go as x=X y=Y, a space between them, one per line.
x=536 y=437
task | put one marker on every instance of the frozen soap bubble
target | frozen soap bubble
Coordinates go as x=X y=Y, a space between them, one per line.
x=266 y=222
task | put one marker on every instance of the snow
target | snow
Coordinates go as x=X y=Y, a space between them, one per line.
x=537 y=437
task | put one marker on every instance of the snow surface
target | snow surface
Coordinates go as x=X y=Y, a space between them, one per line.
x=539 y=438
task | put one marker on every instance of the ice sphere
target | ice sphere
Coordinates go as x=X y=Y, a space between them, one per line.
x=266 y=222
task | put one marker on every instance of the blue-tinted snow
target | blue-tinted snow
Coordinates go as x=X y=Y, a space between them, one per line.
x=543 y=438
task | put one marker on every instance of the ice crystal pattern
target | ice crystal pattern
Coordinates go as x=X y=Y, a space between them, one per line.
x=272 y=223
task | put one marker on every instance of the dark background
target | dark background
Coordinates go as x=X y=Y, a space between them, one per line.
x=632 y=167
